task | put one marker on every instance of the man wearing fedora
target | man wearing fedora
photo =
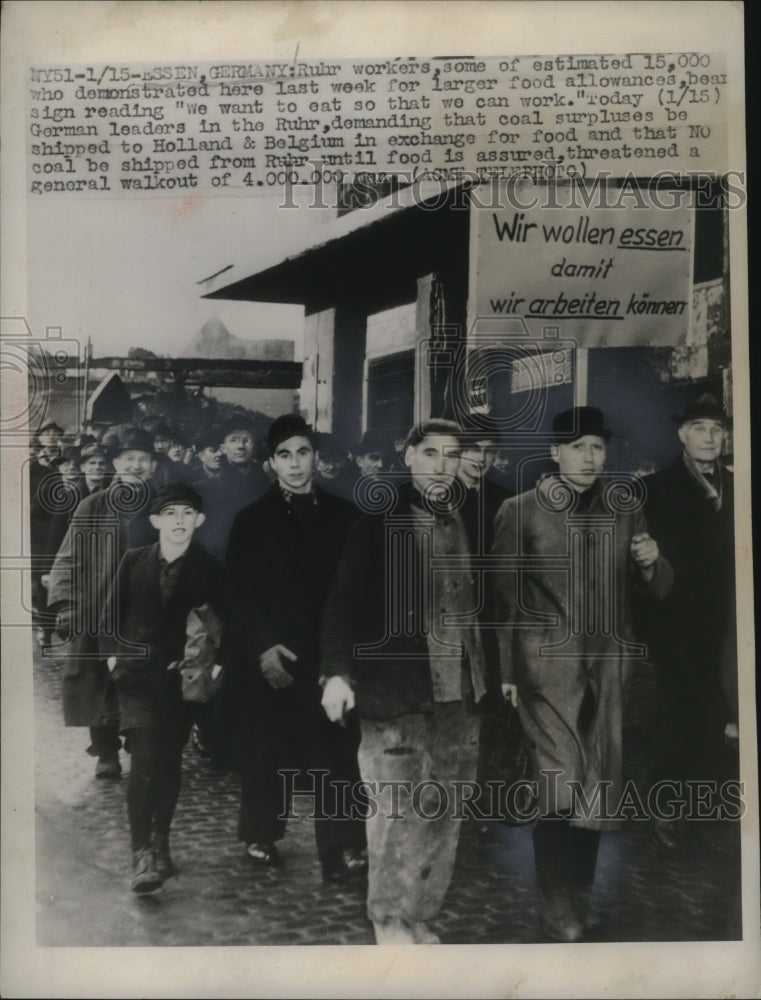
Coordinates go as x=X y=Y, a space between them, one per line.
x=573 y=554
x=689 y=508
x=104 y=526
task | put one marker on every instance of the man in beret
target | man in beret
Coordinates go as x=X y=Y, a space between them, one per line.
x=690 y=510
x=282 y=557
x=157 y=586
x=104 y=526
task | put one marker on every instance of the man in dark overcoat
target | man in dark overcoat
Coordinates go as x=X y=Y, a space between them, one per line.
x=483 y=498
x=690 y=510
x=44 y=493
x=103 y=527
x=241 y=481
x=282 y=556
x=402 y=645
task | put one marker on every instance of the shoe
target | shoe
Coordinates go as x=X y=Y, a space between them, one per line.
x=350 y=865
x=145 y=878
x=161 y=856
x=263 y=855
x=665 y=834
x=588 y=916
x=559 y=921
x=108 y=767
x=198 y=742
x=424 y=935
x=355 y=860
x=393 y=930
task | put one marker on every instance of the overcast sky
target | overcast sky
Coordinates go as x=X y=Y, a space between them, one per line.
x=124 y=272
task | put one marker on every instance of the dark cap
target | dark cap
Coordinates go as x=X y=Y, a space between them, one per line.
x=133 y=439
x=69 y=454
x=92 y=450
x=327 y=444
x=176 y=492
x=51 y=425
x=570 y=425
x=156 y=426
x=705 y=407
x=211 y=437
x=481 y=427
x=288 y=426
x=243 y=423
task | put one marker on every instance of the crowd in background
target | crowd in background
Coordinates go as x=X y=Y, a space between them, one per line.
x=300 y=566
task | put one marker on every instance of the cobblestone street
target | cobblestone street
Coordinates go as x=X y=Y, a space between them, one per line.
x=84 y=865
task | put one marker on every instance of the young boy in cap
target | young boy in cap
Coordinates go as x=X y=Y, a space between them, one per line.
x=156 y=588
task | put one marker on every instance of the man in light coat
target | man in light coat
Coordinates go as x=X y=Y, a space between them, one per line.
x=573 y=551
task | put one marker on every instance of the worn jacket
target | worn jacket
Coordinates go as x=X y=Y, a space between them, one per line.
x=370 y=606
x=149 y=635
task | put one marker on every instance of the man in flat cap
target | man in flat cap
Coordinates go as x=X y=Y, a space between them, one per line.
x=241 y=481
x=282 y=557
x=209 y=455
x=402 y=647
x=104 y=526
x=690 y=510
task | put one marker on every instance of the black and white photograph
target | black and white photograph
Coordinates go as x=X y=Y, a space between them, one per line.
x=376 y=537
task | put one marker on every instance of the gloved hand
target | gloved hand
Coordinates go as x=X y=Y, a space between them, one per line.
x=271 y=664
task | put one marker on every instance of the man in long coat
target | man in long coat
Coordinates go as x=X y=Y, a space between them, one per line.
x=573 y=553
x=103 y=527
x=282 y=557
x=402 y=645
x=690 y=509
x=241 y=481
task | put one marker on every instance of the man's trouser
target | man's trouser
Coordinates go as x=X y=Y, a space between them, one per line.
x=413 y=828
x=288 y=731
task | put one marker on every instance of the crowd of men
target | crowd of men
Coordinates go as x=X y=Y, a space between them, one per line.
x=367 y=608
